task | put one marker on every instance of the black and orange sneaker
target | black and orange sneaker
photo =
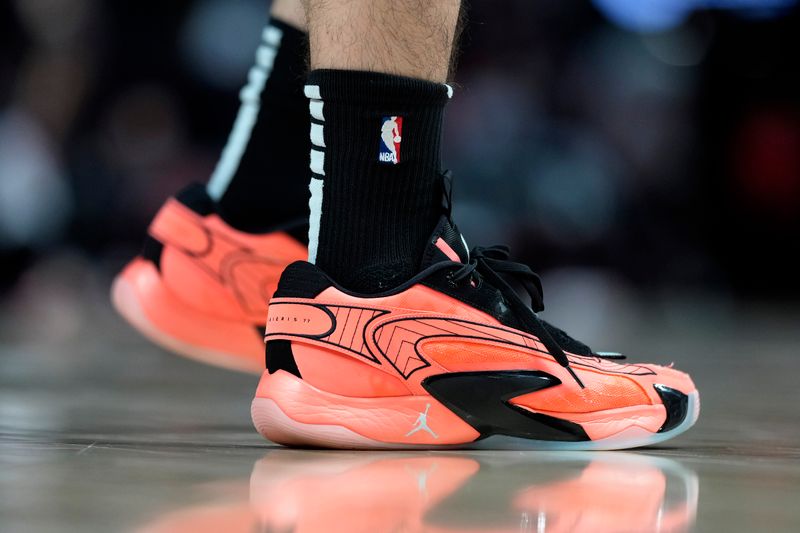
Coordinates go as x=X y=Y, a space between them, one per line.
x=200 y=287
x=452 y=358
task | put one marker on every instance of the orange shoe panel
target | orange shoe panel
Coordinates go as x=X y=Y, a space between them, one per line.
x=340 y=374
x=178 y=226
x=190 y=282
x=647 y=419
x=218 y=269
x=602 y=391
x=300 y=319
x=189 y=324
x=472 y=355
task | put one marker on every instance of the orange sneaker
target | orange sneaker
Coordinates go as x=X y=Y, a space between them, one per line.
x=200 y=287
x=452 y=358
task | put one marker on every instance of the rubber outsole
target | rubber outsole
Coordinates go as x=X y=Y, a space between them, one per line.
x=275 y=425
x=127 y=302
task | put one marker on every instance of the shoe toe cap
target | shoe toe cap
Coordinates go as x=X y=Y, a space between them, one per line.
x=673 y=378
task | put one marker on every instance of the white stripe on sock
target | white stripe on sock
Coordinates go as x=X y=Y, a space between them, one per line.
x=315 y=107
x=265 y=56
x=312 y=91
x=315 y=215
x=316 y=135
x=251 y=93
x=317 y=165
x=232 y=153
x=250 y=98
x=272 y=36
x=317 y=162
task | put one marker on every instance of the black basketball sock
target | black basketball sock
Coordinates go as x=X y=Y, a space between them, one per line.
x=261 y=179
x=376 y=190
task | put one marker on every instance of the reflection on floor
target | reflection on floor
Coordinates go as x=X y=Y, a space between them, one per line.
x=371 y=492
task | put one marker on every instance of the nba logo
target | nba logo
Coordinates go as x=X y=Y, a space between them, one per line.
x=391 y=135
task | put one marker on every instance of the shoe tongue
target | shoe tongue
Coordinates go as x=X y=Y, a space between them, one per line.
x=445 y=244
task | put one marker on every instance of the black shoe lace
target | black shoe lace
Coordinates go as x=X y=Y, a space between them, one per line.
x=492 y=264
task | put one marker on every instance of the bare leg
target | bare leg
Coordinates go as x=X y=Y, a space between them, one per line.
x=412 y=38
x=290 y=12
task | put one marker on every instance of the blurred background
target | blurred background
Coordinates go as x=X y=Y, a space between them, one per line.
x=643 y=155
x=635 y=152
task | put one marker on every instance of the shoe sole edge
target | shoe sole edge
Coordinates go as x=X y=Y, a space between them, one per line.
x=276 y=425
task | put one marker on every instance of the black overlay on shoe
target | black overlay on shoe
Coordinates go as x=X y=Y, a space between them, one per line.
x=279 y=356
x=483 y=400
x=676 y=404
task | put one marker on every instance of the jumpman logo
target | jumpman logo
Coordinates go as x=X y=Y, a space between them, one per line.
x=422 y=423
